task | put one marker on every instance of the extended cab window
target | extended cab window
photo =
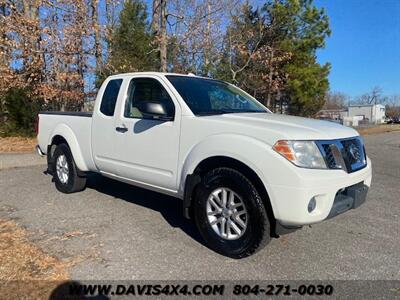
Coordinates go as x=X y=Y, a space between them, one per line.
x=110 y=97
x=146 y=89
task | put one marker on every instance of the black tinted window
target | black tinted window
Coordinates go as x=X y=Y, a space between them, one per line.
x=110 y=96
x=146 y=90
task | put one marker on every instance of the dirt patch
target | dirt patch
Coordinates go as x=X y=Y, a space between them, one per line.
x=17 y=144
x=25 y=269
x=379 y=129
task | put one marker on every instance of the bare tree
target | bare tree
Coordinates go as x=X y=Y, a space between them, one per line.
x=393 y=106
x=373 y=97
x=191 y=30
x=255 y=60
x=336 y=100
x=51 y=49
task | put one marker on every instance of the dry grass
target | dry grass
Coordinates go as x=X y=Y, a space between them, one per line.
x=379 y=129
x=25 y=270
x=17 y=144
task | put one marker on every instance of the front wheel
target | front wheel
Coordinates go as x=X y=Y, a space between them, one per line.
x=230 y=214
x=65 y=172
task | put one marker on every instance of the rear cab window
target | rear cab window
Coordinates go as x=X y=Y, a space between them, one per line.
x=110 y=96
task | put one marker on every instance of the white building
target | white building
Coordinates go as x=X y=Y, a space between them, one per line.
x=374 y=113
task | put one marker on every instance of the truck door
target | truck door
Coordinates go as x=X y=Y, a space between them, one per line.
x=103 y=125
x=147 y=149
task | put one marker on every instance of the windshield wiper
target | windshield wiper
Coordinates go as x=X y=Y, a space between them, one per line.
x=224 y=111
x=251 y=111
x=215 y=112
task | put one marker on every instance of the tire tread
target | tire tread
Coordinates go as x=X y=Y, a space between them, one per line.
x=79 y=183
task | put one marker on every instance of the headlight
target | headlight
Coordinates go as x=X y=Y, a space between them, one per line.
x=303 y=154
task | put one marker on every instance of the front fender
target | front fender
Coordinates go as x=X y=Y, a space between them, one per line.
x=247 y=150
x=67 y=133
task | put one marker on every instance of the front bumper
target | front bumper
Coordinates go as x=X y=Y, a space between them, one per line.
x=334 y=191
x=349 y=198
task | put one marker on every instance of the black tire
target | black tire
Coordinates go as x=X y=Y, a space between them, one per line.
x=257 y=232
x=74 y=182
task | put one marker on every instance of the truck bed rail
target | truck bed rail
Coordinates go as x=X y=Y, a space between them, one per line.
x=68 y=113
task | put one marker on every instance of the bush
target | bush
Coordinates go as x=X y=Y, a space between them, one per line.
x=19 y=111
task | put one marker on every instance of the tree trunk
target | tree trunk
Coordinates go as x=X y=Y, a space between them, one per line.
x=207 y=50
x=97 y=35
x=81 y=66
x=270 y=74
x=5 y=52
x=33 y=60
x=155 y=21
x=163 y=36
x=159 y=28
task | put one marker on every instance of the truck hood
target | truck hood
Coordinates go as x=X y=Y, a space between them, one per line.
x=290 y=127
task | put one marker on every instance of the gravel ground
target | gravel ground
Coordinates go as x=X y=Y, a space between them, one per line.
x=124 y=232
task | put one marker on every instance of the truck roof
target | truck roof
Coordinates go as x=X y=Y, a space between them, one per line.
x=156 y=73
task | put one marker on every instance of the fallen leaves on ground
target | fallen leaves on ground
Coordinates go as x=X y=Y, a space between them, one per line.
x=26 y=271
x=17 y=144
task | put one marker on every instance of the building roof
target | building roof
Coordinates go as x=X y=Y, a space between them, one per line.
x=366 y=105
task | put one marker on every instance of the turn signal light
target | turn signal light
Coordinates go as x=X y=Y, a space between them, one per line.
x=283 y=148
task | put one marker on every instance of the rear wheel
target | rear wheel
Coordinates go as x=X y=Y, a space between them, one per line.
x=65 y=171
x=230 y=214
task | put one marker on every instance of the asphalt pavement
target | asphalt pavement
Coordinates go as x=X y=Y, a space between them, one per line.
x=115 y=231
x=18 y=160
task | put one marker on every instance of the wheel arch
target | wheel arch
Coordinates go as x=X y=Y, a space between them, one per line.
x=64 y=134
x=217 y=161
x=57 y=140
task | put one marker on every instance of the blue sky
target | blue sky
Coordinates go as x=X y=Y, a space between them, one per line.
x=364 y=48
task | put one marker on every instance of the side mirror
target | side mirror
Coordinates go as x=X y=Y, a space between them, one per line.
x=154 y=110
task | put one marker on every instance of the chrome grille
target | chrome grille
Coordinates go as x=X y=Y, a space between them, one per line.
x=329 y=158
x=348 y=154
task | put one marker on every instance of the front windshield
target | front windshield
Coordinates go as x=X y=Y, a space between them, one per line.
x=208 y=96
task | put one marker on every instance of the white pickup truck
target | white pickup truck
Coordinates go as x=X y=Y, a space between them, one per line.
x=244 y=174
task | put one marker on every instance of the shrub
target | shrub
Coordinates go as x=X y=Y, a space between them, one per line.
x=19 y=111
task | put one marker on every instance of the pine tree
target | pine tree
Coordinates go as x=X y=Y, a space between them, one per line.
x=130 y=44
x=301 y=30
x=271 y=53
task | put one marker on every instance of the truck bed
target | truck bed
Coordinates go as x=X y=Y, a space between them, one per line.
x=76 y=127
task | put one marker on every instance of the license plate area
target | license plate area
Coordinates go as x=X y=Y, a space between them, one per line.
x=349 y=198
